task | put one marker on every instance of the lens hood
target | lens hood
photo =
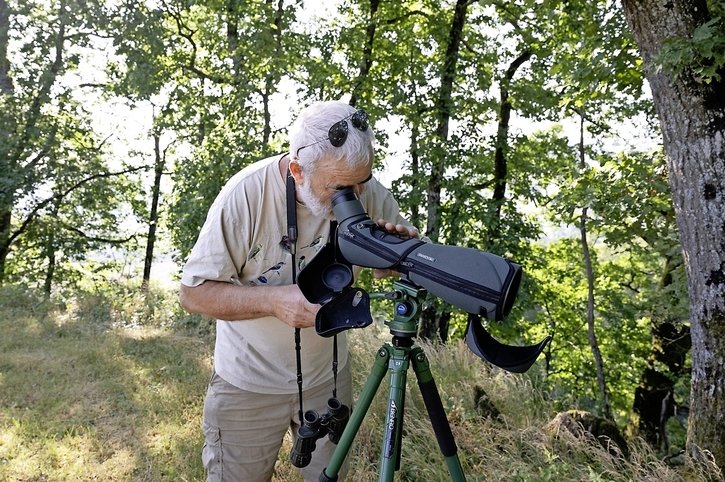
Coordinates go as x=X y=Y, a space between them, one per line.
x=515 y=359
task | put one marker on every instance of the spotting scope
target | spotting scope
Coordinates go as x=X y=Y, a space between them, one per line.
x=478 y=282
x=483 y=284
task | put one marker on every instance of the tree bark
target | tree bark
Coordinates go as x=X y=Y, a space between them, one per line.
x=589 y=272
x=500 y=169
x=6 y=83
x=50 y=253
x=444 y=108
x=159 y=165
x=6 y=89
x=414 y=153
x=432 y=320
x=366 y=62
x=591 y=320
x=692 y=116
x=270 y=79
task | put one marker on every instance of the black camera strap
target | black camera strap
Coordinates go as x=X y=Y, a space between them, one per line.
x=292 y=240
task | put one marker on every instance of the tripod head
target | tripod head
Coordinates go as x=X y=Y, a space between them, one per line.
x=409 y=299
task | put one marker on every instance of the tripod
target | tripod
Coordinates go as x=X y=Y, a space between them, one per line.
x=396 y=357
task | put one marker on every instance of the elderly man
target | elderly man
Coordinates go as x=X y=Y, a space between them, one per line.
x=241 y=272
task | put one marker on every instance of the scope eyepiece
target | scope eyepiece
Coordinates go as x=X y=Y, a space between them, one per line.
x=342 y=195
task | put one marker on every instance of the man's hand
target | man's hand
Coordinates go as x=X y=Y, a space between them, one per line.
x=293 y=308
x=400 y=230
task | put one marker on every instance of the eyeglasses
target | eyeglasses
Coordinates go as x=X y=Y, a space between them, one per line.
x=337 y=135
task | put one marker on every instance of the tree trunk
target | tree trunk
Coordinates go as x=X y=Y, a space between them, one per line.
x=692 y=116
x=367 y=60
x=6 y=84
x=443 y=111
x=159 y=164
x=589 y=272
x=415 y=169
x=50 y=253
x=591 y=332
x=500 y=169
x=269 y=80
x=432 y=321
x=6 y=89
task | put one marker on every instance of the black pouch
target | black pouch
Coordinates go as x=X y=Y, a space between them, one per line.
x=328 y=282
x=324 y=277
x=350 y=309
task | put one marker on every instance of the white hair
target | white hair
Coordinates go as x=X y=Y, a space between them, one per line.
x=310 y=134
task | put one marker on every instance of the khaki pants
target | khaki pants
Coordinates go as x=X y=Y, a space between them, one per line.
x=243 y=431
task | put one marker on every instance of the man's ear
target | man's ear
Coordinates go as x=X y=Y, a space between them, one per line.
x=296 y=171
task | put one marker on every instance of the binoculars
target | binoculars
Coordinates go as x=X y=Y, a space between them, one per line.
x=314 y=427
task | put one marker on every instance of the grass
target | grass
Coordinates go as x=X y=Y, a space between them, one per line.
x=110 y=387
x=84 y=397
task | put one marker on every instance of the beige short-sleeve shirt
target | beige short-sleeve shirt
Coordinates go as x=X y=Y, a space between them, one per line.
x=244 y=241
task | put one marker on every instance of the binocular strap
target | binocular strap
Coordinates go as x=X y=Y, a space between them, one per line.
x=292 y=239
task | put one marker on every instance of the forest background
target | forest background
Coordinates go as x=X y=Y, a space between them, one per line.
x=542 y=131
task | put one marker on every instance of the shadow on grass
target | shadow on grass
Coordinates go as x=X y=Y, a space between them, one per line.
x=81 y=399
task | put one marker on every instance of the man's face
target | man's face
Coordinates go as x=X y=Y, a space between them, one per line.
x=316 y=190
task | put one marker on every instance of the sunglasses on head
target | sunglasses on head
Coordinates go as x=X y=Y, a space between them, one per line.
x=337 y=135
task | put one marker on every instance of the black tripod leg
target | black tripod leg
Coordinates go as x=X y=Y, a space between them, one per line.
x=399 y=443
x=437 y=414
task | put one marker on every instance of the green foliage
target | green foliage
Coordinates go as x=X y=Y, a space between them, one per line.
x=215 y=66
x=59 y=199
x=630 y=210
x=700 y=53
x=622 y=320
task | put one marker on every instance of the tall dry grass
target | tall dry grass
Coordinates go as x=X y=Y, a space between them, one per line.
x=109 y=386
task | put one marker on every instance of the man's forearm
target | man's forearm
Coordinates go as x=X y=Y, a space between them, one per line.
x=226 y=301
